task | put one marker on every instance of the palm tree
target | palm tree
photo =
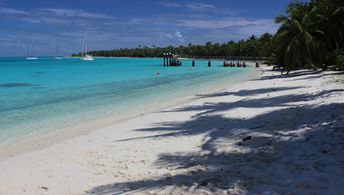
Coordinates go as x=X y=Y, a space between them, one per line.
x=330 y=18
x=297 y=39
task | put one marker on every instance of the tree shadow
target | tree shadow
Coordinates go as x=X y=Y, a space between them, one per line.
x=280 y=101
x=247 y=92
x=334 y=73
x=309 y=77
x=280 y=151
x=293 y=74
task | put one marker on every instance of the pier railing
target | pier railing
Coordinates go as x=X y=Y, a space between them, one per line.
x=246 y=58
x=170 y=59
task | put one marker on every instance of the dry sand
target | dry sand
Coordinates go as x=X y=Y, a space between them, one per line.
x=268 y=135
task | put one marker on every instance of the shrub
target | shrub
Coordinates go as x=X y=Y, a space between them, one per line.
x=336 y=58
x=340 y=60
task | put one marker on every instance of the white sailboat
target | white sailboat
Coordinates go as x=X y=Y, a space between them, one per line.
x=87 y=57
x=30 y=57
x=57 y=57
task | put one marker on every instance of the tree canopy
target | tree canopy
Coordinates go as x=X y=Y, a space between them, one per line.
x=253 y=47
x=310 y=35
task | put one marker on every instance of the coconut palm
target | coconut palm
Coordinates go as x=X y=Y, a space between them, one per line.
x=331 y=20
x=297 y=40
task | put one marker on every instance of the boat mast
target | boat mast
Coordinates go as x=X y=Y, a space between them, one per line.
x=85 y=49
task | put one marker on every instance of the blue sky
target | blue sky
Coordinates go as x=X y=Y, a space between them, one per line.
x=43 y=25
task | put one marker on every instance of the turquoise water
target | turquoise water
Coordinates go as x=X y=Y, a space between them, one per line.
x=45 y=96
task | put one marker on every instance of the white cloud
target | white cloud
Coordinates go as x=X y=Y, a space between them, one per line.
x=46 y=20
x=192 y=6
x=199 y=6
x=176 y=36
x=9 y=11
x=74 y=13
x=258 y=29
x=169 y=36
x=170 y=4
x=223 y=23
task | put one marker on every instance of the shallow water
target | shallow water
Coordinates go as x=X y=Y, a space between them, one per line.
x=44 y=96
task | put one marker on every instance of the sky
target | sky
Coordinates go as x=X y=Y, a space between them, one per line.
x=44 y=26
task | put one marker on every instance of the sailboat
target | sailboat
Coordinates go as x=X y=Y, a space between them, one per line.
x=30 y=57
x=87 y=57
x=57 y=56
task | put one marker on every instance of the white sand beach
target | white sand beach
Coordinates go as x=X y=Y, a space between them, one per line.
x=270 y=135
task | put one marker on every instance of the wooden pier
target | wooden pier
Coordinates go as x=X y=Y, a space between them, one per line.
x=234 y=64
x=171 y=59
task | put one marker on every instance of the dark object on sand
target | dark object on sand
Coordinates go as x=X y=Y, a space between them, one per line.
x=204 y=183
x=257 y=65
x=277 y=67
x=247 y=138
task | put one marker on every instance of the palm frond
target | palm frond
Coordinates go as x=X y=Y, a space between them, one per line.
x=338 y=11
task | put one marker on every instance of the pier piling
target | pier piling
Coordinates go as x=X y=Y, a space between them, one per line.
x=170 y=59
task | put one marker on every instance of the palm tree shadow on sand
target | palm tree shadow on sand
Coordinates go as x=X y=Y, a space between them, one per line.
x=263 y=154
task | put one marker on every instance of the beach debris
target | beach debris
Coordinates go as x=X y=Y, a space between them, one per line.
x=247 y=138
x=167 y=175
x=257 y=65
x=43 y=188
x=204 y=183
x=258 y=127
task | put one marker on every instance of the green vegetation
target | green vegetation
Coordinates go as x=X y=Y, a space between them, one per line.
x=311 y=35
x=253 y=47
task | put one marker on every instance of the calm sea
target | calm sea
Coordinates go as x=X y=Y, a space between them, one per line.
x=47 y=95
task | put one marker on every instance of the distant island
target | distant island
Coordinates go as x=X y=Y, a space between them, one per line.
x=253 y=47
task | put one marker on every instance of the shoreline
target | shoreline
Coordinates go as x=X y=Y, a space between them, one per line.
x=270 y=134
x=77 y=129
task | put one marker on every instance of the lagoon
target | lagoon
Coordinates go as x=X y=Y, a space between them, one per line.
x=45 y=97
